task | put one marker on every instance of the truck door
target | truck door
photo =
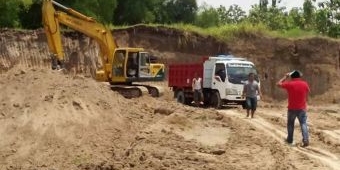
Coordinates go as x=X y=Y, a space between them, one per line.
x=144 y=65
x=219 y=79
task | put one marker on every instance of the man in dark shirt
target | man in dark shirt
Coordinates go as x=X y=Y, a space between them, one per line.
x=297 y=90
x=221 y=75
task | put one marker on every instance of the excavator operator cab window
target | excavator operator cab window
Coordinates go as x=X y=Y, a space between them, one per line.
x=144 y=65
x=132 y=64
x=145 y=59
x=118 y=63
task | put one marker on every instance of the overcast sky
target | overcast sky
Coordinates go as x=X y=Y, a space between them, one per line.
x=246 y=4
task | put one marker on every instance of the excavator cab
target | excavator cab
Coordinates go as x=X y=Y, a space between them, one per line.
x=149 y=71
x=138 y=67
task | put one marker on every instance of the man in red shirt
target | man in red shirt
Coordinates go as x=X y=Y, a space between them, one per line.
x=297 y=98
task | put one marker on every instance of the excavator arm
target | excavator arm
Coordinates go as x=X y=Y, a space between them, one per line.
x=79 y=22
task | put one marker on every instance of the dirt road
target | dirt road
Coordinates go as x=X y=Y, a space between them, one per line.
x=272 y=125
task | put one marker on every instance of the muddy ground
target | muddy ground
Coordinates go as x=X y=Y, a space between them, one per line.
x=57 y=120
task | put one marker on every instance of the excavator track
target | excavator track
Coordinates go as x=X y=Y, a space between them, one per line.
x=154 y=91
x=130 y=91
x=137 y=90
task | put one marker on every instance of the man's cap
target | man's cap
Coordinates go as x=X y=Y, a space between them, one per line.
x=295 y=74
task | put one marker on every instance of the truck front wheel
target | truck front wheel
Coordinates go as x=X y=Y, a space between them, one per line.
x=216 y=101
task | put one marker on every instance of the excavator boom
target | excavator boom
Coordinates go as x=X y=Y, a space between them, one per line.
x=74 y=13
x=78 y=22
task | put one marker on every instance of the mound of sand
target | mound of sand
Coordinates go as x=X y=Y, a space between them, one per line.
x=43 y=111
x=50 y=119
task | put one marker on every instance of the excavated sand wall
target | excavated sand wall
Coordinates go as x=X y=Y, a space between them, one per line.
x=317 y=58
x=29 y=49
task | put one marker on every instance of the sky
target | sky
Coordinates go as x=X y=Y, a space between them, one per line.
x=246 y=4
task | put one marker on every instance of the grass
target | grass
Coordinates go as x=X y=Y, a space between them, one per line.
x=224 y=33
x=27 y=2
x=228 y=32
x=231 y=31
x=294 y=33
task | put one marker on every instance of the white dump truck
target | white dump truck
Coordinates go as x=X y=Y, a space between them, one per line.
x=223 y=80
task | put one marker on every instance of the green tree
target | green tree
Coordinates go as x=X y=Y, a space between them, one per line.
x=331 y=11
x=223 y=14
x=274 y=17
x=9 y=13
x=233 y=15
x=160 y=12
x=322 y=21
x=207 y=17
x=309 y=14
x=295 y=18
x=263 y=5
x=256 y=14
x=180 y=10
x=236 y=14
x=277 y=18
x=133 y=12
x=30 y=16
x=102 y=10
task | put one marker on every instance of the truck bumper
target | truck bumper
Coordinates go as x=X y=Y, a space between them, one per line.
x=236 y=99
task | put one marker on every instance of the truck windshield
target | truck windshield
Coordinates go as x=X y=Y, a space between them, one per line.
x=239 y=74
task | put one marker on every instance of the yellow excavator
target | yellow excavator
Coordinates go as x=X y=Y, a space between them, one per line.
x=121 y=67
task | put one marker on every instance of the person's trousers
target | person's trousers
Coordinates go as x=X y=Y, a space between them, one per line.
x=198 y=95
x=302 y=117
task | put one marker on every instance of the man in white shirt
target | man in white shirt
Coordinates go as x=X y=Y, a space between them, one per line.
x=197 y=88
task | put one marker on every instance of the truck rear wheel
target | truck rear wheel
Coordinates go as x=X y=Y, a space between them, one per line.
x=181 y=98
x=216 y=101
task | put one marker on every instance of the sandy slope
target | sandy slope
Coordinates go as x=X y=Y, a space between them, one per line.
x=51 y=120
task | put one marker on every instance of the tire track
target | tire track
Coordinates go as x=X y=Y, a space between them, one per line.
x=326 y=157
x=335 y=133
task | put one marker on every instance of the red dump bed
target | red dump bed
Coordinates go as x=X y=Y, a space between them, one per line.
x=181 y=75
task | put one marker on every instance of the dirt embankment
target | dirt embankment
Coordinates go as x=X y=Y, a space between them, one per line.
x=317 y=58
